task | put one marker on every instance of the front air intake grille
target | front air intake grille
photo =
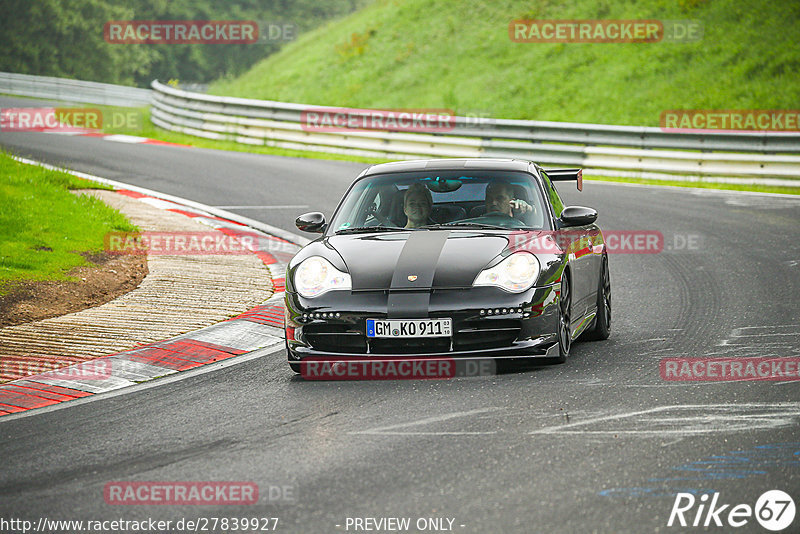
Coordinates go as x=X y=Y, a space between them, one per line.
x=486 y=334
x=338 y=338
x=479 y=334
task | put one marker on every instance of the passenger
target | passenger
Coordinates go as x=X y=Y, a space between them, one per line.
x=500 y=199
x=417 y=205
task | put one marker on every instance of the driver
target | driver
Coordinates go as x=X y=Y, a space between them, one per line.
x=500 y=199
x=417 y=204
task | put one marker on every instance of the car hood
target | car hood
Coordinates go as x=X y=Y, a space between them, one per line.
x=417 y=260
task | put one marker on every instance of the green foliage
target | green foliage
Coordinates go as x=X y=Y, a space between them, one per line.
x=64 y=38
x=457 y=54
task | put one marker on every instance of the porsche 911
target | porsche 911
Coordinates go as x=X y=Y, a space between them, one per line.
x=457 y=258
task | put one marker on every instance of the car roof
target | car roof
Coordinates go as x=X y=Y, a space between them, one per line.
x=448 y=164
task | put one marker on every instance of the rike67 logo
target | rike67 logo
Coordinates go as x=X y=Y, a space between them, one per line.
x=774 y=510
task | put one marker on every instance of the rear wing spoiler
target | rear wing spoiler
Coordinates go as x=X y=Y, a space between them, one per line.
x=562 y=175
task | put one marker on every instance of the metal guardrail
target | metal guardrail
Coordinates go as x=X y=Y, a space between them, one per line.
x=623 y=148
x=67 y=90
x=762 y=157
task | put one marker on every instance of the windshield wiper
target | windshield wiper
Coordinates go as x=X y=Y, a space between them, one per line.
x=370 y=229
x=467 y=225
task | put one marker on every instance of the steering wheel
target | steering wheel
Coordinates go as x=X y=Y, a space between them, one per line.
x=501 y=219
x=498 y=214
x=372 y=211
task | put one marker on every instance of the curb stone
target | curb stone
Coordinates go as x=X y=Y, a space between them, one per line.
x=255 y=329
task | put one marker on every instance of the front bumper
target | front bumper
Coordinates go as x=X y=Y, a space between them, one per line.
x=334 y=324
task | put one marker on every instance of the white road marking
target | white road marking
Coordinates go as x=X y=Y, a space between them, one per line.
x=389 y=430
x=683 y=384
x=770 y=334
x=426 y=433
x=597 y=420
x=733 y=417
x=763 y=202
x=120 y=138
x=777 y=326
x=766 y=340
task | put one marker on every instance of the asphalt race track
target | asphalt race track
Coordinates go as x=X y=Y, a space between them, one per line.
x=601 y=443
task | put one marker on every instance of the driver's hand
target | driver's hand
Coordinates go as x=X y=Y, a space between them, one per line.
x=520 y=205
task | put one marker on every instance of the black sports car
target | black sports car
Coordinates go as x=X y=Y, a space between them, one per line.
x=459 y=258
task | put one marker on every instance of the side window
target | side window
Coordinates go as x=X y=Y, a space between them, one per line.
x=555 y=200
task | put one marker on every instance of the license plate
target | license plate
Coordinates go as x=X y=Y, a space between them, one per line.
x=409 y=327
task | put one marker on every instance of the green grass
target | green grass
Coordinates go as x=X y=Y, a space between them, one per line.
x=457 y=54
x=44 y=227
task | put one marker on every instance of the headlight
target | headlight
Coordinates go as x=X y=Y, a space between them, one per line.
x=316 y=276
x=516 y=273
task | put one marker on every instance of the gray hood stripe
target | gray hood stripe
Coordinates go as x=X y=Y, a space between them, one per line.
x=419 y=258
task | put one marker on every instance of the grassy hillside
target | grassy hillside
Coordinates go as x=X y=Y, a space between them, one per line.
x=457 y=54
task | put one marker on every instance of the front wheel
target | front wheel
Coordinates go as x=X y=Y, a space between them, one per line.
x=564 y=320
x=602 y=321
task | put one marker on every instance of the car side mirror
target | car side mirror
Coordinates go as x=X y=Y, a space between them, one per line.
x=313 y=222
x=578 y=216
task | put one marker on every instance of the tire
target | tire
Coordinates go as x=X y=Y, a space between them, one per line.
x=564 y=320
x=602 y=322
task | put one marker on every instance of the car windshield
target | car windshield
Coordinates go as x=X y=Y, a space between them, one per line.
x=434 y=199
